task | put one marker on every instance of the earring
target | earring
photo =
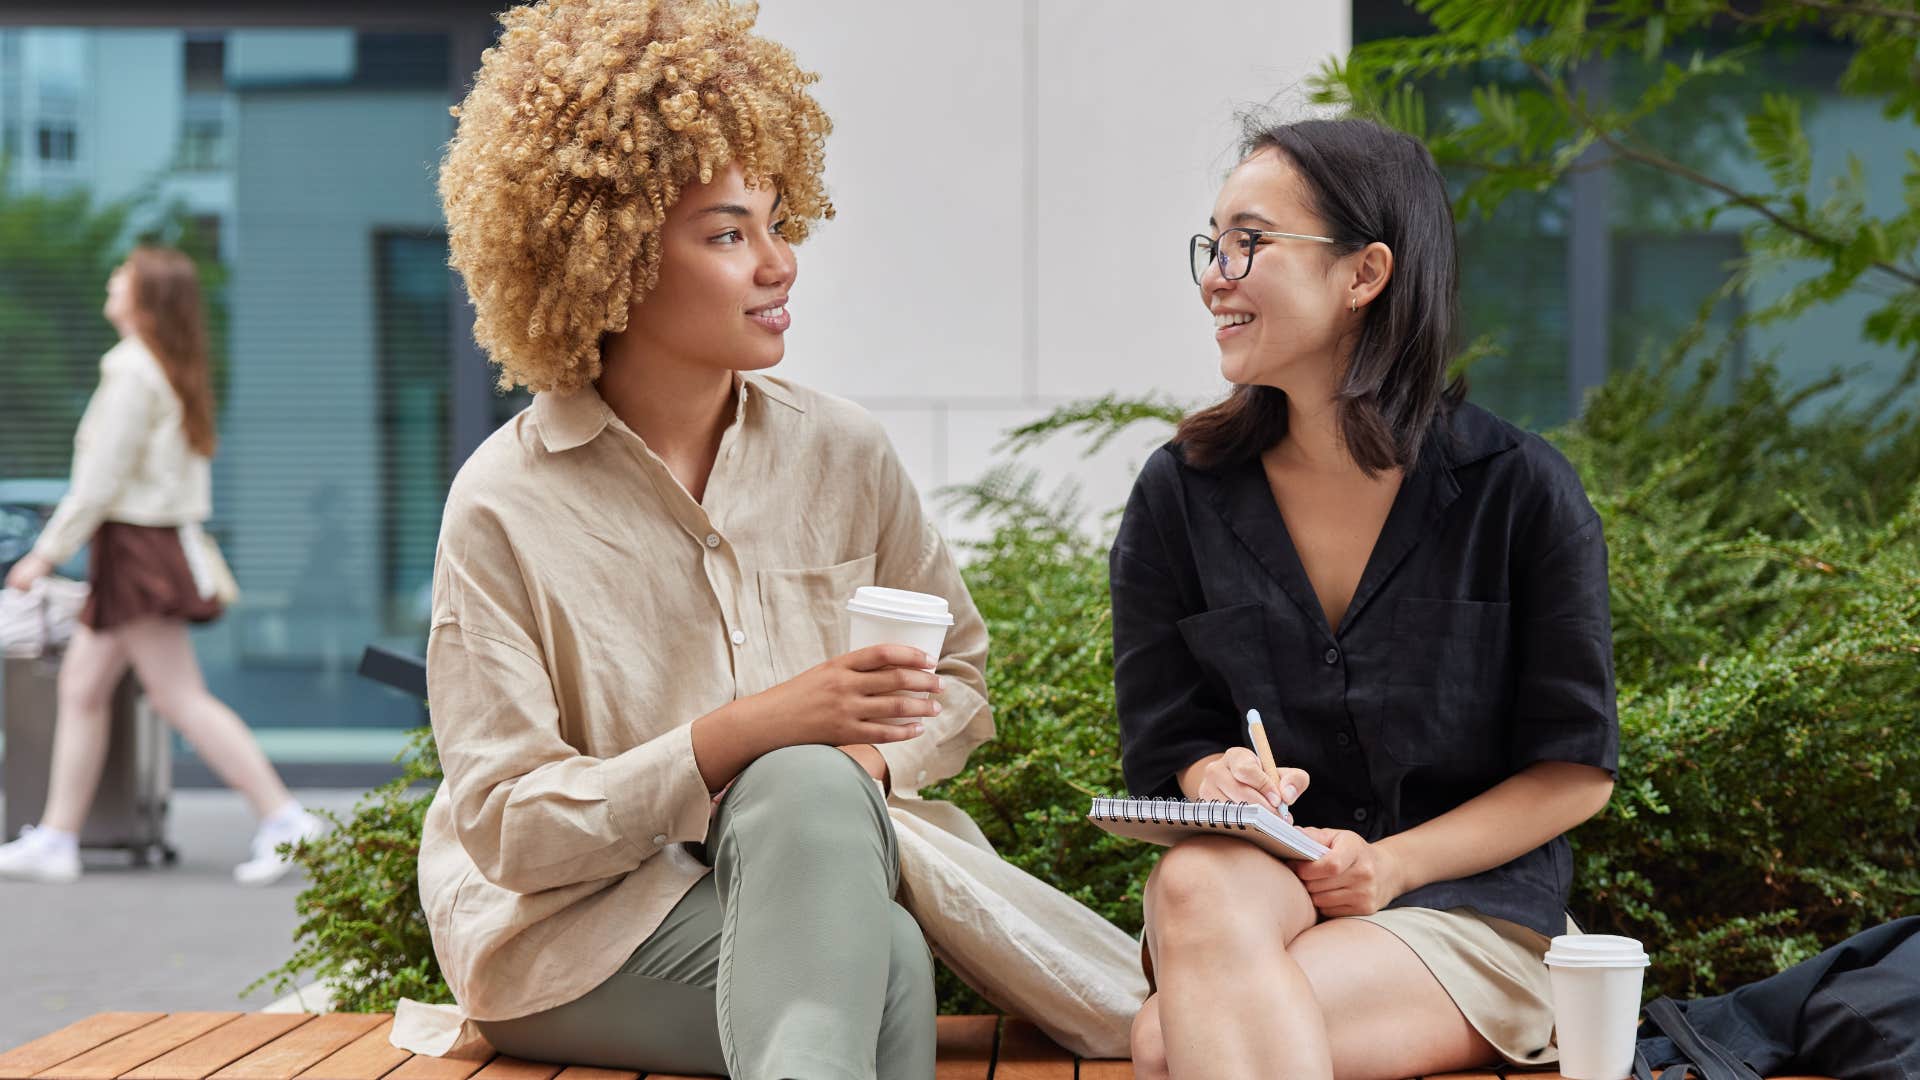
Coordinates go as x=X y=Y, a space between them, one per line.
x=1353 y=304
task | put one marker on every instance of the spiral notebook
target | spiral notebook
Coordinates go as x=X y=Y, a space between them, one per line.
x=1164 y=821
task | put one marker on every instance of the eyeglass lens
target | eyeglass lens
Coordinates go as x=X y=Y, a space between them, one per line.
x=1232 y=254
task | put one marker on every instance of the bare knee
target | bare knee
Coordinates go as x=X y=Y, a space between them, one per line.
x=1149 y=1043
x=88 y=696
x=1211 y=886
x=178 y=707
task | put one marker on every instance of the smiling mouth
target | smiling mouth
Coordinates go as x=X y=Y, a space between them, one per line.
x=1228 y=323
x=773 y=317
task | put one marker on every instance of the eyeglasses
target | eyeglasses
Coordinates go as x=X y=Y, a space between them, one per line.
x=1232 y=253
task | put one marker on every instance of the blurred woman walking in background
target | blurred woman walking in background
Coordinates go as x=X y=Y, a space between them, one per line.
x=142 y=485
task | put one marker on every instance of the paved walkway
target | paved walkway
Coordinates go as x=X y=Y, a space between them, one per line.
x=167 y=940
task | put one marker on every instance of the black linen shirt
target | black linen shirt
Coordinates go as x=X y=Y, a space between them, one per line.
x=1477 y=643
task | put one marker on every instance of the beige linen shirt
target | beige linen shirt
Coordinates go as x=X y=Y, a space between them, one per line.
x=586 y=610
x=131 y=461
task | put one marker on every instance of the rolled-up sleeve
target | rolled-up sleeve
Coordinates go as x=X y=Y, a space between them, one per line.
x=1168 y=718
x=115 y=425
x=912 y=555
x=1564 y=705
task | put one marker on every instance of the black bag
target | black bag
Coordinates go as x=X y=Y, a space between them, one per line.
x=1853 y=1012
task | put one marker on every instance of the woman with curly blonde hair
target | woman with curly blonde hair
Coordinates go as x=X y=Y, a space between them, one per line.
x=662 y=842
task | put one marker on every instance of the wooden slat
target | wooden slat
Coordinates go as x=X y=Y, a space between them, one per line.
x=113 y=1059
x=1027 y=1054
x=588 y=1072
x=198 y=1058
x=369 y=1057
x=70 y=1042
x=513 y=1068
x=421 y=1067
x=1109 y=1069
x=286 y=1056
x=966 y=1047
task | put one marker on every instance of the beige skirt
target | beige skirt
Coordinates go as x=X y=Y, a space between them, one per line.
x=1493 y=969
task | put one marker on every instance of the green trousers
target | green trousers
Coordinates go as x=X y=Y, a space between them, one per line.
x=789 y=962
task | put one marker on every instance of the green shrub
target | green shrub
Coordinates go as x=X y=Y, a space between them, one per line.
x=1765 y=559
x=1766 y=605
x=361 y=926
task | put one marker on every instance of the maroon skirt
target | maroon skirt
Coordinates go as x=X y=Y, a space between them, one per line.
x=138 y=572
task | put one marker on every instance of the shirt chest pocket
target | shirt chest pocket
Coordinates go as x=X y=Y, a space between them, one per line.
x=804 y=612
x=1230 y=645
x=1449 y=687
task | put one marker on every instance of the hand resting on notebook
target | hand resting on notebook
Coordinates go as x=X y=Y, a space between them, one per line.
x=1353 y=878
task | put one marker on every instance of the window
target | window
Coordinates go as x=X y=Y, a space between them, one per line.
x=412 y=287
x=206 y=65
x=56 y=142
x=203 y=133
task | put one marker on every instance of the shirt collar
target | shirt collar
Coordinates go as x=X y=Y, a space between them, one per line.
x=1468 y=433
x=575 y=418
x=1459 y=437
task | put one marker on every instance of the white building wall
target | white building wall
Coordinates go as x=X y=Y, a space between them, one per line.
x=1016 y=181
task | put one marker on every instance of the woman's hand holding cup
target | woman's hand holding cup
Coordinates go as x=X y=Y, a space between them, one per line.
x=850 y=700
x=855 y=698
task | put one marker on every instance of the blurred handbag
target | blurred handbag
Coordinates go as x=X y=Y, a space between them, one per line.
x=211 y=575
x=41 y=619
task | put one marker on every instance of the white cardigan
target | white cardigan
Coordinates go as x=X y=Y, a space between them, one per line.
x=131 y=461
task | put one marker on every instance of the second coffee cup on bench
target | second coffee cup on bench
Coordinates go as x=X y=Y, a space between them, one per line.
x=1596 y=1003
x=882 y=616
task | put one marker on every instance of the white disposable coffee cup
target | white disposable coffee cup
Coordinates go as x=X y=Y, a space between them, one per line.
x=882 y=616
x=1596 y=1003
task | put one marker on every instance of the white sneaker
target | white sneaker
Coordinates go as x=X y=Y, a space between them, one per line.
x=38 y=857
x=268 y=865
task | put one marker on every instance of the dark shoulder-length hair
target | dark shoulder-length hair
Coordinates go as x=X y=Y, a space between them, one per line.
x=1367 y=183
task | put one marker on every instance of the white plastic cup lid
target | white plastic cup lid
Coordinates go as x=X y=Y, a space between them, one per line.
x=900 y=604
x=1596 y=951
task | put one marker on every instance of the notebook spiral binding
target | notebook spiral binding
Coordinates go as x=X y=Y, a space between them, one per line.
x=1160 y=810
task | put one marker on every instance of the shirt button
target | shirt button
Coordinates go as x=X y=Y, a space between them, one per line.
x=660 y=840
x=738 y=637
x=1333 y=656
x=1360 y=814
x=713 y=540
x=1343 y=739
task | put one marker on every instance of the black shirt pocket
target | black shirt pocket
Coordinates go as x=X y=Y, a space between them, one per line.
x=1230 y=646
x=1450 y=685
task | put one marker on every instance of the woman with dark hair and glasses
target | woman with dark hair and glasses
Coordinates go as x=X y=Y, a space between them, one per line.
x=1412 y=592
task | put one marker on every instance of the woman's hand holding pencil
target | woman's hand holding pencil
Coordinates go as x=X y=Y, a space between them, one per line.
x=1249 y=776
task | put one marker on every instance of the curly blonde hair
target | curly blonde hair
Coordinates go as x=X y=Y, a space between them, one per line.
x=587 y=120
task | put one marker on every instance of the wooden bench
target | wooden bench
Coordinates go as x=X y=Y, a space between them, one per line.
x=354 y=1046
